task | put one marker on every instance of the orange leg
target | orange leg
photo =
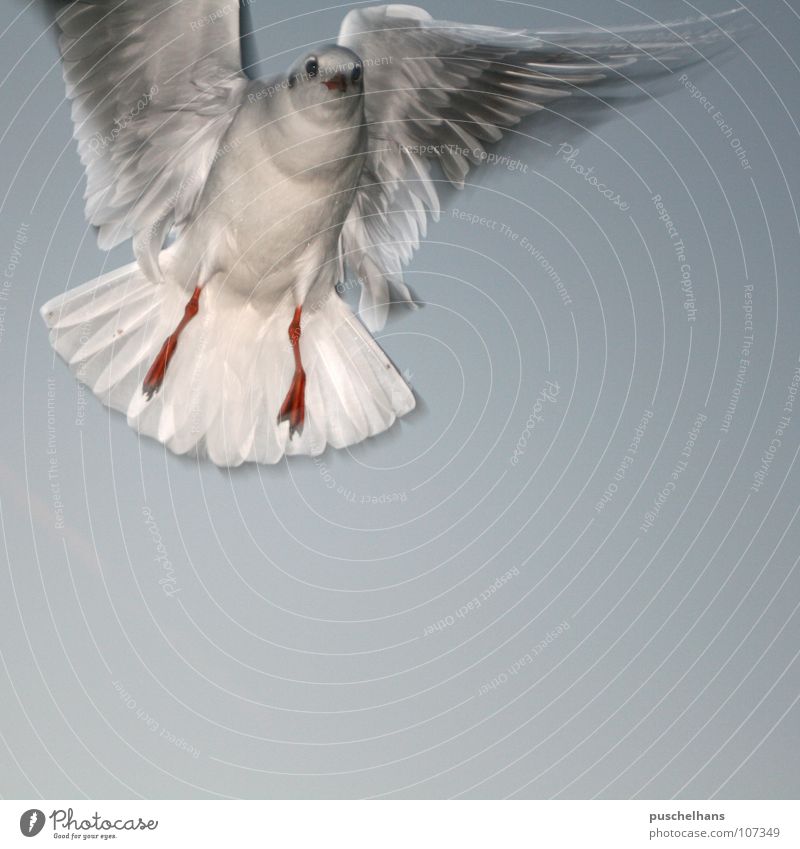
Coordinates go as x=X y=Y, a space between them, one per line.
x=158 y=370
x=294 y=404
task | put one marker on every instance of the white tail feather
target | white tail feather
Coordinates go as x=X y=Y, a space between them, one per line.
x=230 y=371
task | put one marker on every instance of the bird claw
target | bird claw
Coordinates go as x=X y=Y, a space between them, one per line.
x=293 y=408
x=158 y=369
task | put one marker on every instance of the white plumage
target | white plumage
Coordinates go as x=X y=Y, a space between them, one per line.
x=248 y=200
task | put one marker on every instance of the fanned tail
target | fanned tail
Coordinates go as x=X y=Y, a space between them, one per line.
x=230 y=370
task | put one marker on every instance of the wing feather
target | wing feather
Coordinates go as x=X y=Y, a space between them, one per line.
x=154 y=85
x=439 y=92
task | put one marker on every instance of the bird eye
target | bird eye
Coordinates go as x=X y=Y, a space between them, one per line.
x=356 y=75
x=312 y=68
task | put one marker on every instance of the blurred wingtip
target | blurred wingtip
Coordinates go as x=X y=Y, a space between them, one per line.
x=247 y=40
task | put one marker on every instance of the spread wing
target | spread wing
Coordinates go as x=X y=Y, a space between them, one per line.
x=154 y=84
x=442 y=92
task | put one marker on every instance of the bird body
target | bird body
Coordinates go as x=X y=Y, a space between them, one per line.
x=247 y=201
x=280 y=244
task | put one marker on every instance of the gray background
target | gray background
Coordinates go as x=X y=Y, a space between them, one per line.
x=280 y=643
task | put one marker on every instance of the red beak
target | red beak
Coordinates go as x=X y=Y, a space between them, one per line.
x=338 y=82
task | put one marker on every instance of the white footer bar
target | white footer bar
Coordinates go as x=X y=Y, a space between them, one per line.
x=402 y=824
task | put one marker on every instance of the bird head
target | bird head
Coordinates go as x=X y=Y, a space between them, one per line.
x=330 y=76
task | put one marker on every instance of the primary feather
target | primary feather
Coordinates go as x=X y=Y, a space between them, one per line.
x=442 y=92
x=154 y=86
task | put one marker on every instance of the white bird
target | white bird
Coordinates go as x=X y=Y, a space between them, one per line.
x=249 y=200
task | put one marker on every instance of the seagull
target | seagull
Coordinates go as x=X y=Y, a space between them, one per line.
x=250 y=201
